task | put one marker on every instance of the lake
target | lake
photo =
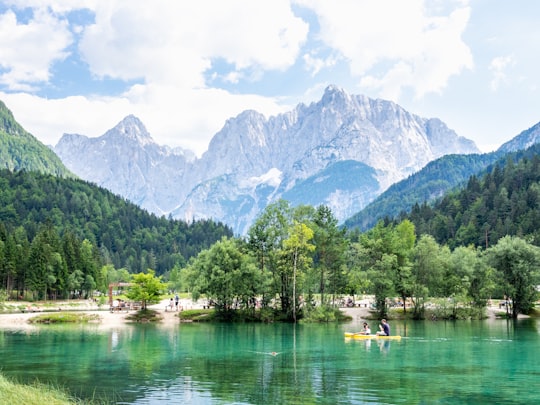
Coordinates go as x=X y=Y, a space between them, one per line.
x=463 y=362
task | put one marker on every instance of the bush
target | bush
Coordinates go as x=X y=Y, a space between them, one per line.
x=196 y=315
x=324 y=313
x=443 y=310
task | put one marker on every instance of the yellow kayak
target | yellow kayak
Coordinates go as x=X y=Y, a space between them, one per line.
x=351 y=335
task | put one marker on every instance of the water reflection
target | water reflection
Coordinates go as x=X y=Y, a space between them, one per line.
x=198 y=363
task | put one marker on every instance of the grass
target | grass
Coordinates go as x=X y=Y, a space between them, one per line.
x=64 y=317
x=36 y=394
x=194 y=315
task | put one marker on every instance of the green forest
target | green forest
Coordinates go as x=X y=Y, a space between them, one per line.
x=57 y=235
x=504 y=201
x=430 y=183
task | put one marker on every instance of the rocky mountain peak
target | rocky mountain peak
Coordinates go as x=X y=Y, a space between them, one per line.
x=131 y=128
x=334 y=95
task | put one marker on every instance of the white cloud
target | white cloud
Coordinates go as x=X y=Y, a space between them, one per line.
x=175 y=50
x=170 y=41
x=170 y=45
x=176 y=41
x=188 y=121
x=48 y=119
x=28 y=50
x=54 y=6
x=315 y=64
x=498 y=68
x=167 y=47
x=392 y=44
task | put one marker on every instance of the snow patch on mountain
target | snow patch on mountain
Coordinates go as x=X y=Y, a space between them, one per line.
x=272 y=178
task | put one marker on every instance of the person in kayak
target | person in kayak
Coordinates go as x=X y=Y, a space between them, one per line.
x=366 y=330
x=384 y=328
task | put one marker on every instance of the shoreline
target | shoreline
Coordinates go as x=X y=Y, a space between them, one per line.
x=365 y=314
x=108 y=319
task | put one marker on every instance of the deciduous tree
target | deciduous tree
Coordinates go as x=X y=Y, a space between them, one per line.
x=296 y=259
x=146 y=288
x=227 y=275
x=518 y=264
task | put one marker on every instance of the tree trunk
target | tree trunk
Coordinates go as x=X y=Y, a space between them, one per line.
x=294 y=284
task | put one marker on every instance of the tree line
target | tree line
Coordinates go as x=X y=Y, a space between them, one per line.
x=293 y=257
x=474 y=244
x=435 y=179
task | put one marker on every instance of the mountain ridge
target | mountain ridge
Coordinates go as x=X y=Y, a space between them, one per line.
x=297 y=144
x=127 y=161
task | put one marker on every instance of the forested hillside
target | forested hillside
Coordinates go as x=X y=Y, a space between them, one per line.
x=432 y=182
x=504 y=201
x=19 y=150
x=46 y=221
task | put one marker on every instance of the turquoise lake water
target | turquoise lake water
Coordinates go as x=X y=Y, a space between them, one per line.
x=463 y=362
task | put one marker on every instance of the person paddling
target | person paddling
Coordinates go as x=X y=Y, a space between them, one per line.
x=384 y=328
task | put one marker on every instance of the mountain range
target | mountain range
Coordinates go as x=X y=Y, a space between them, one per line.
x=342 y=151
x=295 y=165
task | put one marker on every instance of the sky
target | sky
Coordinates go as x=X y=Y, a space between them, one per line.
x=185 y=67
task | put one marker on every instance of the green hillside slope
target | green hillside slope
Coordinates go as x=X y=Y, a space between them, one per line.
x=503 y=201
x=121 y=233
x=432 y=182
x=19 y=150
